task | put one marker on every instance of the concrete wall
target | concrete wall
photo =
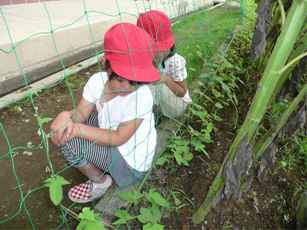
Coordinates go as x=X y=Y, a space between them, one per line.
x=38 y=39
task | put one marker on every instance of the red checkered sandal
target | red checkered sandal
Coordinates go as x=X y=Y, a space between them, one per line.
x=89 y=191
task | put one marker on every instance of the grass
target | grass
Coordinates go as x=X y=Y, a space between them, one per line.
x=199 y=36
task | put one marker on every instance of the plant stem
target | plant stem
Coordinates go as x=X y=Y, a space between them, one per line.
x=292 y=62
x=282 y=12
x=284 y=45
x=286 y=74
x=269 y=137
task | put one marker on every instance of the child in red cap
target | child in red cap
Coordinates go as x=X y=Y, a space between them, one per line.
x=111 y=134
x=172 y=96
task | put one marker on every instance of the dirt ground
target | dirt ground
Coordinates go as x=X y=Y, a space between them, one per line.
x=260 y=208
x=268 y=204
x=31 y=165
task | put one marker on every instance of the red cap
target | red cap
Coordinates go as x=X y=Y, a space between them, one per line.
x=158 y=25
x=130 y=52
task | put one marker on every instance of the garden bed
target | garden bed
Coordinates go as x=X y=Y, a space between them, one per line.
x=24 y=162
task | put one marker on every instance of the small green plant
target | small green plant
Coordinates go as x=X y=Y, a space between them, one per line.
x=55 y=185
x=294 y=153
x=301 y=143
x=89 y=220
x=41 y=121
x=277 y=109
x=149 y=216
x=180 y=148
x=75 y=82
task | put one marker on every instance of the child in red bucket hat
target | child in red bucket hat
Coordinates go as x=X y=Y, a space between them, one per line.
x=171 y=94
x=111 y=134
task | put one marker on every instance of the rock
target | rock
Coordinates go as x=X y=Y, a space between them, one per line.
x=111 y=202
x=27 y=153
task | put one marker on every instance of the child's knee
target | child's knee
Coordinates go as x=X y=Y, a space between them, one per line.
x=72 y=154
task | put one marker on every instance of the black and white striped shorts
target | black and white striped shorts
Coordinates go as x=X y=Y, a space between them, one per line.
x=79 y=152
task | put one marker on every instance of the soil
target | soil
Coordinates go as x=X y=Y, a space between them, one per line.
x=268 y=204
x=263 y=207
x=31 y=165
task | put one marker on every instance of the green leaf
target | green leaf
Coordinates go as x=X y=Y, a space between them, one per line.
x=207 y=133
x=199 y=54
x=218 y=105
x=156 y=198
x=43 y=120
x=55 y=185
x=89 y=220
x=162 y=160
x=203 y=115
x=210 y=127
x=216 y=93
x=89 y=225
x=178 y=147
x=81 y=225
x=87 y=214
x=188 y=156
x=216 y=117
x=123 y=216
x=149 y=215
x=199 y=146
x=179 y=158
x=153 y=227
x=283 y=164
x=192 y=69
x=194 y=132
x=131 y=196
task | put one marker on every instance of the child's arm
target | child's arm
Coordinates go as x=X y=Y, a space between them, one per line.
x=62 y=125
x=179 y=88
x=105 y=136
x=82 y=112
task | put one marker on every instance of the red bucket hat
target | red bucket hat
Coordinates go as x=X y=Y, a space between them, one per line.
x=130 y=52
x=158 y=25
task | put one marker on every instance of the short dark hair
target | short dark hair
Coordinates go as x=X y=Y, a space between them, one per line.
x=114 y=75
x=172 y=52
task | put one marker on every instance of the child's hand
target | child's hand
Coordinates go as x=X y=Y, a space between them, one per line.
x=72 y=130
x=164 y=78
x=60 y=125
x=68 y=133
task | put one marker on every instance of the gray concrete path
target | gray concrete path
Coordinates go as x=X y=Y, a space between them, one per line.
x=40 y=38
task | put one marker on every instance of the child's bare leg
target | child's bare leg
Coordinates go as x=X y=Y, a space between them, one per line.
x=93 y=173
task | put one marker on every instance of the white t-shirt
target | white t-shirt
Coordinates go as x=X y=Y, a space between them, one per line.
x=139 y=150
x=175 y=68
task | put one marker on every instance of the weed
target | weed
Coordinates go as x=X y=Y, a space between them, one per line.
x=275 y=111
x=294 y=153
x=149 y=216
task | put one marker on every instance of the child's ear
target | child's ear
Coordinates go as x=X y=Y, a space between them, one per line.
x=109 y=71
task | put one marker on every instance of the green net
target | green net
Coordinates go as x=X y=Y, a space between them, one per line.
x=41 y=38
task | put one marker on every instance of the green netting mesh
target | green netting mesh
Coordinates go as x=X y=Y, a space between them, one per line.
x=27 y=155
